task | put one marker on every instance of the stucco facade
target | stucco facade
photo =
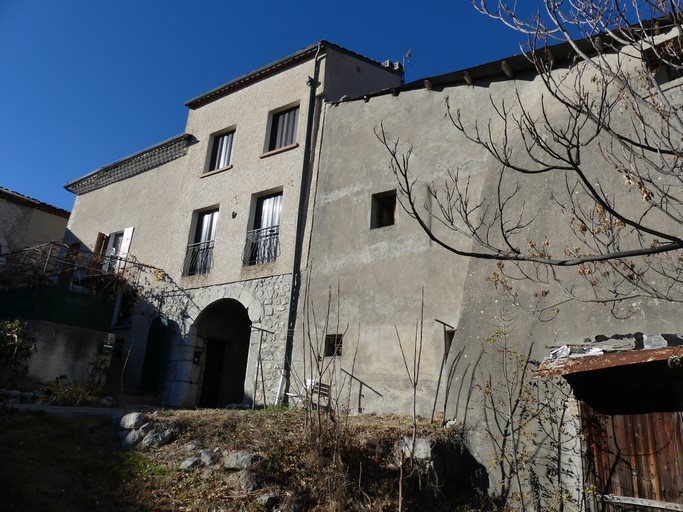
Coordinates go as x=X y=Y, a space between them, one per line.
x=165 y=199
x=345 y=284
x=392 y=287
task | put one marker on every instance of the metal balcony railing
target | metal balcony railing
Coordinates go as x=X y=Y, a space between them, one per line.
x=198 y=258
x=262 y=246
x=68 y=265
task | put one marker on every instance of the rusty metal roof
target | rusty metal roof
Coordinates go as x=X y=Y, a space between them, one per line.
x=572 y=359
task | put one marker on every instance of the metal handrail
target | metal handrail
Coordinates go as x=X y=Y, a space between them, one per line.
x=198 y=258
x=262 y=246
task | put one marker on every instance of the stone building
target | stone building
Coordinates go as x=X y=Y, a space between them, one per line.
x=276 y=252
x=224 y=210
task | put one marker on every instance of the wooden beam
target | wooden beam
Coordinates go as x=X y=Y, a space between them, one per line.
x=641 y=502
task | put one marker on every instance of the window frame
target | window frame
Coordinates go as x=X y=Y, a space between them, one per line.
x=262 y=244
x=333 y=345
x=113 y=262
x=276 y=140
x=212 y=158
x=199 y=252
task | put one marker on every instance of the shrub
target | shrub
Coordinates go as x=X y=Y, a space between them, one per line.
x=16 y=347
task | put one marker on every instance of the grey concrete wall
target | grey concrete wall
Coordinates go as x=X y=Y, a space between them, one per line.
x=380 y=272
x=68 y=353
x=349 y=76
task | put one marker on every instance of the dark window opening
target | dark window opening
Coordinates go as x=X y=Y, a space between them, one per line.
x=221 y=152
x=333 y=345
x=283 y=129
x=383 y=210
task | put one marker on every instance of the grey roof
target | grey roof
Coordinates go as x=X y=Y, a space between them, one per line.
x=21 y=199
x=524 y=63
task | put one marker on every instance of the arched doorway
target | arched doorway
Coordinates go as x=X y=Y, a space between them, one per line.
x=152 y=378
x=225 y=327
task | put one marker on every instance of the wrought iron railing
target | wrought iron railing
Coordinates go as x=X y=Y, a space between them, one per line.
x=198 y=259
x=70 y=265
x=262 y=246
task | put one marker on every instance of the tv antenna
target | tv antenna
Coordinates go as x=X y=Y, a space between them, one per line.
x=406 y=58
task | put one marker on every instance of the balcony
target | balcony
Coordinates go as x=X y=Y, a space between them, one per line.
x=262 y=246
x=198 y=258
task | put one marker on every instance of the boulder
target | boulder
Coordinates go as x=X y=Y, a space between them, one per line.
x=189 y=463
x=207 y=457
x=133 y=421
x=267 y=501
x=132 y=439
x=421 y=452
x=157 y=438
x=239 y=460
x=247 y=481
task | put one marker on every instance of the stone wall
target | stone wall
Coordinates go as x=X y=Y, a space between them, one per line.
x=266 y=301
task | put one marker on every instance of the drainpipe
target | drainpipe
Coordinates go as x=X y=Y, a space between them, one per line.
x=306 y=173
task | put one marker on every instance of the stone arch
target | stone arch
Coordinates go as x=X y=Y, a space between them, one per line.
x=224 y=327
x=203 y=298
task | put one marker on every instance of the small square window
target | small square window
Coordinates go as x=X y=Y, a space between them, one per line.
x=333 y=345
x=383 y=210
x=221 y=151
x=283 y=129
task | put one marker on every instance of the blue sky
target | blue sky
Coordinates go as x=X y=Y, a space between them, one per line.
x=87 y=82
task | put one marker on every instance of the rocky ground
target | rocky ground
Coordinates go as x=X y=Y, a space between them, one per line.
x=211 y=460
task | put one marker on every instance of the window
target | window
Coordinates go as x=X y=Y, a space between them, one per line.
x=283 y=129
x=262 y=245
x=199 y=255
x=383 y=210
x=112 y=250
x=665 y=62
x=221 y=151
x=333 y=345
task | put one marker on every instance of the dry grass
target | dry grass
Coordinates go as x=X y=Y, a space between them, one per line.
x=75 y=465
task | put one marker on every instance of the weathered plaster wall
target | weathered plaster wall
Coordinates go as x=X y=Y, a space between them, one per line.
x=162 y=204
x=380 y=272
x=22 y=226
x=148 y=202
x=69 y=353
x=348 y=76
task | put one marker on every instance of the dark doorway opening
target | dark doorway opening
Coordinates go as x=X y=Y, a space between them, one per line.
x=226 y=329
x=152 y=379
